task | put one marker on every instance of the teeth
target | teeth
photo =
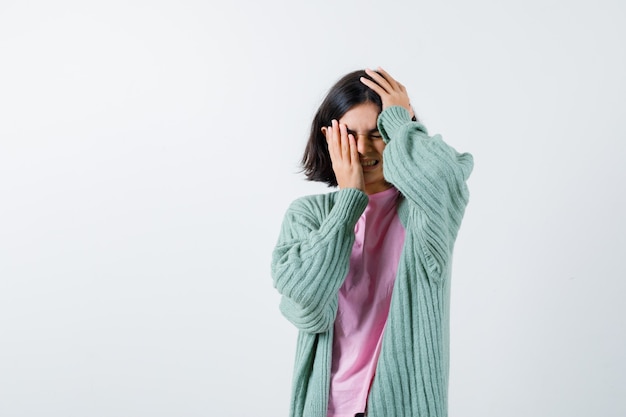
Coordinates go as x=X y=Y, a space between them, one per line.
x=368 y=163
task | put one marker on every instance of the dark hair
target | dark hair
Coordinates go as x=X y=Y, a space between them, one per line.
x=348 y=92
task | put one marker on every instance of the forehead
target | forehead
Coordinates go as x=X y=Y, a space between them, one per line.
x=361 y=117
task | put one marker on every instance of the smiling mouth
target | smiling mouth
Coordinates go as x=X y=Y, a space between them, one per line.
x=369 y=163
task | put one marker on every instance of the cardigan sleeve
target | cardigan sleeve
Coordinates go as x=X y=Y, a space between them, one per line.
x=432 y=177
x=312 y=257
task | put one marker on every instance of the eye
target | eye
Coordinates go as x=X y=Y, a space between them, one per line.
x=376 y=135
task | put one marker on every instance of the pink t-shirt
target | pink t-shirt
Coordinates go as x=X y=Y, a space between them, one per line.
x=364 y=302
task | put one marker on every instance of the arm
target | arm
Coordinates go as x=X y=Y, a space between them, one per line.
x=432 y=176
x=427 y=171
x=312 y=257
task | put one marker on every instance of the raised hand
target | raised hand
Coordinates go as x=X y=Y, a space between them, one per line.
x=390 y=91
x=344 y=156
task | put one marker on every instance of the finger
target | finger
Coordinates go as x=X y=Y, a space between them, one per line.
x=345 y=143
x=375 y=87
x=332 y=145
x=336 y=140
x=379 y=78
x=354 y=152
x=392 y=82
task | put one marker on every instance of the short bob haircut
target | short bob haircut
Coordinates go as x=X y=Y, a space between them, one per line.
x=348 y=92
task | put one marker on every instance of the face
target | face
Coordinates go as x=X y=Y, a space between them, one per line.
x=361 y=122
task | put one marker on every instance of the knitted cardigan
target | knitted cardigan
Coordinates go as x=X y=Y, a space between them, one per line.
x=311 y=260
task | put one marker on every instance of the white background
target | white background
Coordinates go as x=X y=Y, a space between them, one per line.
x=149 y=149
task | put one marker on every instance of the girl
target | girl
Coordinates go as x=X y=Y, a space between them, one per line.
x=364 y=272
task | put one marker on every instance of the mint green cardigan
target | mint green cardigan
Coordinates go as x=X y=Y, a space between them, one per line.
x=311 y=260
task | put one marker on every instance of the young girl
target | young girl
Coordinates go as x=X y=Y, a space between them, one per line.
x=364 y=272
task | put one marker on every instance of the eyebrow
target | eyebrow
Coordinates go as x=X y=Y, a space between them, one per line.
x=374 y=130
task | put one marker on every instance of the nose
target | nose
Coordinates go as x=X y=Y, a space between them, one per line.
x=363 y=143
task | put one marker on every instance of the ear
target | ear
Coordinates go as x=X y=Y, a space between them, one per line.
x=324 y=131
